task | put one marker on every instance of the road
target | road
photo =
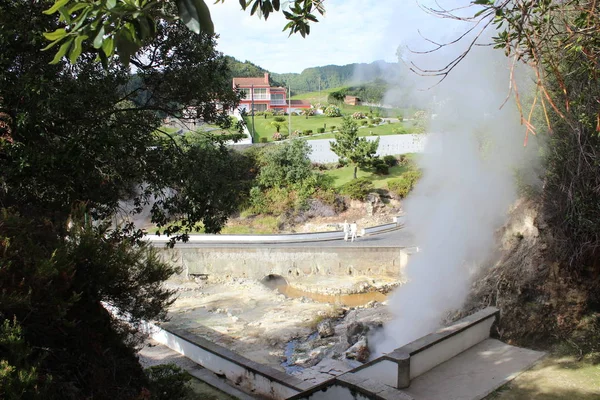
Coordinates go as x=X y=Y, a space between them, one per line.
x=395 y=238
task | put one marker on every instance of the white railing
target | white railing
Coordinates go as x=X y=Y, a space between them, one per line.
x=278 y=102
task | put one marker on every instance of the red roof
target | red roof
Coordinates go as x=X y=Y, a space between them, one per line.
x=262 y=81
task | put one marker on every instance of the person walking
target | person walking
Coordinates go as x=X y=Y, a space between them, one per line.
x=353 y=231
x=346 y=230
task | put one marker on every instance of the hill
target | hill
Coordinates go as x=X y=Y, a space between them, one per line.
x=325 y=77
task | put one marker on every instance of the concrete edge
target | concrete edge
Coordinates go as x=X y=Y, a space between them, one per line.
x=441 y=334
x=219 y=351
x=214 y=381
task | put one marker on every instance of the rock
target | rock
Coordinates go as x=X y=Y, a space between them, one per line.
x=326 y=328
x=359 y=351
x=355 y=331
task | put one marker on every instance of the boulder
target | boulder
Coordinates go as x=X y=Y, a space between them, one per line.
x=359 y=351
x=326 y=328
x=355 y=331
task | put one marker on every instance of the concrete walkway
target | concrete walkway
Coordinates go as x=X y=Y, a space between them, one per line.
x=475 y=373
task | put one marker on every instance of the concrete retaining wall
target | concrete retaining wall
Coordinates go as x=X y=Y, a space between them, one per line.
x=290 y=262
x=259 y=379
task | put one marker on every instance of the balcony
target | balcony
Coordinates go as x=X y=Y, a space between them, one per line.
x=278 y=102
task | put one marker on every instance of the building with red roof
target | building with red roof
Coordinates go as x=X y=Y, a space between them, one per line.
x=259 y=92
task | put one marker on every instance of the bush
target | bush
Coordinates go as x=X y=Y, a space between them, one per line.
x=279 y=119
x=365 y=123
x=382 y=168
x=267 y=113
x=263 y=140
x=167 y=382
x=332 y=111
x=333 y=128
x=358 y=115
x=285 y=135
x=357 y=189
x=403 y=185
x=259 y=113
x=390 y=161
x=277 y=136
x=399 y=131
x=308 y=112
x=321 y=130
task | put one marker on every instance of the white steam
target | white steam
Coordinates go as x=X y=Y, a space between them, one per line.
x=467 y=187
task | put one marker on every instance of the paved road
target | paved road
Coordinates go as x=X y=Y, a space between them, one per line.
x=396 y=238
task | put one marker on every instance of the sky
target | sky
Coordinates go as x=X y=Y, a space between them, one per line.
x=352 y=31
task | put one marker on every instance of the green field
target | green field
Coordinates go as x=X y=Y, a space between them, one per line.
x=264 y=128
x=346 y=174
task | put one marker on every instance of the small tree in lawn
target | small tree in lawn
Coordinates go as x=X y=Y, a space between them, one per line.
x=277 y=125
x=348 y=146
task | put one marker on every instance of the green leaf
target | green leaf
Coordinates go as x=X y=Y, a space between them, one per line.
x=76 y=50
x=62 y=51
x=206 y=24
x=243 y=4
x=195 y=15
x=77 y=7
x=108 y=46
x=58 y=4
x=57 y=34
x=110 y=4
x=99 y=38
x=188 y=14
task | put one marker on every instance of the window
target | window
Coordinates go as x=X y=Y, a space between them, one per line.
x=246 y=92
x=277 y=96
x=260 y=94
x=260 y=107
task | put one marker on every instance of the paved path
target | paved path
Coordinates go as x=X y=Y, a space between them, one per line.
x=396 y=238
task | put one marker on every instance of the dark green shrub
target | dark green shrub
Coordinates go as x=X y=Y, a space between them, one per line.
x=305 y=132
x=357 y=189
x=279 y=119
x=382 y=169
x=321 y=130
x=263 y=140
x=390 y=160
x=333 y=128
x=403 y=185
x=380 y=166
x=364 y=123
x=168 y=381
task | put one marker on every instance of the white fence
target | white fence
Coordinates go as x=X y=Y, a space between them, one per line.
x=388 y=145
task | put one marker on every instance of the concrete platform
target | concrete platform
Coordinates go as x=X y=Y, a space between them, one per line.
x=474 y=373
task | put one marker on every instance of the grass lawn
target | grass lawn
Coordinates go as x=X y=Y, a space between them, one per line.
x=556 y=377
x=345 y=175
x=265 y=129
x=301 y=123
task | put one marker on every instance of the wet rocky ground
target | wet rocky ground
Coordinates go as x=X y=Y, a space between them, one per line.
x=310 y=339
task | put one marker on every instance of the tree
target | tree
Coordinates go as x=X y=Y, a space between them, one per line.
x=348 y=146
x=122 y=26
x=287 y=164
x=76 y=141
x=277 y=125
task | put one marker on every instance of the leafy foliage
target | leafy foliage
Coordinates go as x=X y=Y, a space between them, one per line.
x=347 y=145
x=332 y=111
x=357 y=189
x=402 y=186
x=123 y=26
x=76 y=143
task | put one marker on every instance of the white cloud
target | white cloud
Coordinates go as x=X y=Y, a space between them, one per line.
x=351 y=31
